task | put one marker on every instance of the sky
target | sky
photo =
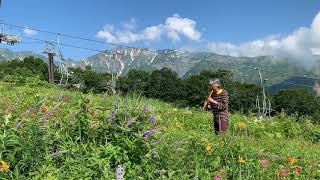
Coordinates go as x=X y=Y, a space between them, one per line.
x=230 y=27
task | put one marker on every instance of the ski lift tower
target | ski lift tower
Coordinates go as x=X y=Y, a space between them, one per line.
x=50 y=51
x=264 y=108
x=63 y=67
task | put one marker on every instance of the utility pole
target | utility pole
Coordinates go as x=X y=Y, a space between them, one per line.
x=51 y=53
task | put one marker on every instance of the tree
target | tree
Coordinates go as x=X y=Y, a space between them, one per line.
x=164 y=84
x=242 y=96
x=90 y=80
x=196 y=87
x=300 y=101
x=135 y=81
x=37 y=66
x=19 y=71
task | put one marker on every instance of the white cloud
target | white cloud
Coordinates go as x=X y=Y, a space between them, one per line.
x=301 y=43
x=174 y=28
x=30 y=32
x=131 y=25
x=153 y=33
x=177 y=26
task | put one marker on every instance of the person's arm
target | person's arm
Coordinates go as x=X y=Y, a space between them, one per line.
x=206 y=104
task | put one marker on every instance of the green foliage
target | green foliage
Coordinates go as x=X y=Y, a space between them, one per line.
x=135 y=81
x=28 y=67
x=45 y=134
x=72 y=133
x=299 y=101
x=164 y=84
x=196 y=88
x=242 y=96
x=48 y=135
x=90 y=80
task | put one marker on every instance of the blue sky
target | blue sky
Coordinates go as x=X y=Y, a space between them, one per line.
x=225 y=27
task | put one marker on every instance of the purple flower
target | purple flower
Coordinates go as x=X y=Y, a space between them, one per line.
x=156 y=143
x=65 y=98
x=16 y=105
x=180 y=142
x=119 y=173
x=52 y=111
x=153 y=127
x=153 y=119
x=148 y=134
x=151 y=132
x=19 y=125
x=131 y=121
x=112 y=116
x=115 y=111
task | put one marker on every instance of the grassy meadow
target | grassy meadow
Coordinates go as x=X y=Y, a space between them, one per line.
x=51 y=133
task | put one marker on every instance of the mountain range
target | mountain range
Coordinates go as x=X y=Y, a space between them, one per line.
x=6 y=54
x=121 y=60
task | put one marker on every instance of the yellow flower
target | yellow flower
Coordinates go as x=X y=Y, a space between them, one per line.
x=242 y=125
x=93 y=111
x=241 y=160
x=179 y=125
x=158 y=117
x=292 y=160
x=209 y=148
x=95 y=125
x=44 y=109
x=4 y=166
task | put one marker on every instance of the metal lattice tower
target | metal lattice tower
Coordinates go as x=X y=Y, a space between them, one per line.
x=63 y=68
x=264 y=110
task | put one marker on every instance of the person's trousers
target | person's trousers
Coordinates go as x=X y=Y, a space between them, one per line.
x=220 y=123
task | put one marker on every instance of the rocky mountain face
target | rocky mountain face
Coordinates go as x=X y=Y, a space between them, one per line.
x=188 y=63
x=185 y=63
x=6 y=54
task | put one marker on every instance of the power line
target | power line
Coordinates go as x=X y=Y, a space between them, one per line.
x=73 y=46
x=39 y=42
x=74 y=37
x=63 y=44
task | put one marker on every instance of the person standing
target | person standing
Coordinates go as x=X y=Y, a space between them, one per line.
x=218 y=102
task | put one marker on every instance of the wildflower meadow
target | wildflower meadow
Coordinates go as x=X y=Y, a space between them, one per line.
x=52 y=133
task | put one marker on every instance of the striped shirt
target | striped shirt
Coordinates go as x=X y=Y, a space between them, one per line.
x=222 y=107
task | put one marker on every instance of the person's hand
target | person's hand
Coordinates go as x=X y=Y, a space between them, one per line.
x=212 y=100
